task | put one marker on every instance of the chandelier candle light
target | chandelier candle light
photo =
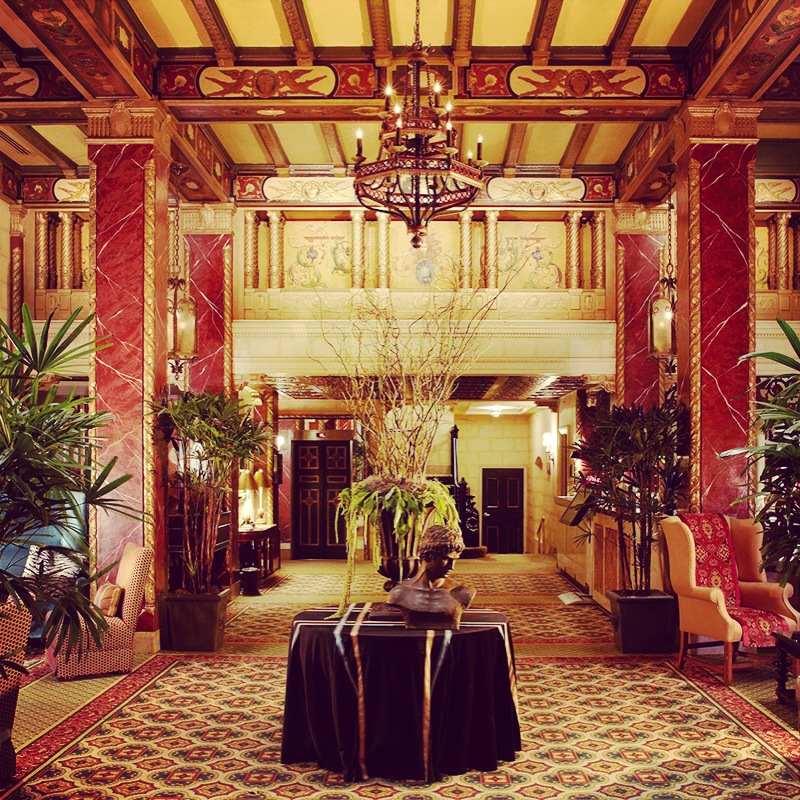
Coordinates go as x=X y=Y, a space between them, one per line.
x=417 y=175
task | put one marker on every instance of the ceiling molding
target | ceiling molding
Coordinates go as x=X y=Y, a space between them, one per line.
x=36 y=140
x=630 y=19
x=516 y=137
x=574 y=148
x=217 y=30
x=378 y=11
x=300 y=31
x=545 y=27
x=463 y=22
x=273 y=147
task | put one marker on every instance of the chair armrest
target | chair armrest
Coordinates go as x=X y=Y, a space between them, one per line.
x=770 y=597
x=709 y=594
x=702 y=611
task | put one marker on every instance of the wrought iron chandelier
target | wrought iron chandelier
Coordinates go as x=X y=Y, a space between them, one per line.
x=418 y=174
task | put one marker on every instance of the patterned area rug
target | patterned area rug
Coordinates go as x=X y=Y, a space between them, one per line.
x=210 y=727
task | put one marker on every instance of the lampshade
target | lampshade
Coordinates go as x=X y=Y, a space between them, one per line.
x=246 y=480
x=262 y=479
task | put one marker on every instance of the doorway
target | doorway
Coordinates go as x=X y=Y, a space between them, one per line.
x=320 y=470
x=503 y=507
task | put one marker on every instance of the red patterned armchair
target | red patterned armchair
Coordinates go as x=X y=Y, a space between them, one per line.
x=116 y=653
x=714 y=569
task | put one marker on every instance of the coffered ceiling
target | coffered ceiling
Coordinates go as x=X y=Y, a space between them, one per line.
x=277 y=87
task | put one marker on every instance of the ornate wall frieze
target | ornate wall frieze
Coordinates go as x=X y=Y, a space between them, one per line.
x=207 y=218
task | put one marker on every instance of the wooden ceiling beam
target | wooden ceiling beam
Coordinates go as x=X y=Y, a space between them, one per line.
x=574 y=148
x=272 y=146
x=334 y=144
x=463 y=22
x=381 y=29
x=214 y=24
x=516 y=137
x=300 y=31
x=741 y=71
x=545 y=27
x=629 y=22
x=38 y=142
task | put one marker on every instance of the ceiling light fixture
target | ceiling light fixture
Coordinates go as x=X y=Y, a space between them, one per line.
x=417 y=175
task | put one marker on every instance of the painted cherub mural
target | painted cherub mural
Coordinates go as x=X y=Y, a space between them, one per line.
x=318 y=258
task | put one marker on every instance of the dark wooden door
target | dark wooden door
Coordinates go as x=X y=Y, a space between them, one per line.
x=503 y=510
x=320 y=471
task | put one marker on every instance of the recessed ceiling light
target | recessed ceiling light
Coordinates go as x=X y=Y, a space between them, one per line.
x=573 y=112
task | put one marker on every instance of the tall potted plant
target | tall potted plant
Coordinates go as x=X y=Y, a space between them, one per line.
x=632 y=467
x=50 y=472
x=210 y=434
x=778 y=462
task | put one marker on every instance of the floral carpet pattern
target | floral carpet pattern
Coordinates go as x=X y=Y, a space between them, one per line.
x=210 y=727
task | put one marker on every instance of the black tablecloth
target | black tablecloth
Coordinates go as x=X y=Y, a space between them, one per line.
x=372 y=699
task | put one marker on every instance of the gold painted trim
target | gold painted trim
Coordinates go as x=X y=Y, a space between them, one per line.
x=695 y=321
x=227 y=358
x=620 y=332
x=752 y=429
x=15 y=312
x=92 y=388
x=148 y=375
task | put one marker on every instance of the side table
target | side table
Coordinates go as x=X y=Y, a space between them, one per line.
x=788 y=648
x=260 y=548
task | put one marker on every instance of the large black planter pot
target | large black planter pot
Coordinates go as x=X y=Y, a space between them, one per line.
x=644 y=622
x=195 y=621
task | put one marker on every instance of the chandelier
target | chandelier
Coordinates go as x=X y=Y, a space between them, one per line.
x=418 y=174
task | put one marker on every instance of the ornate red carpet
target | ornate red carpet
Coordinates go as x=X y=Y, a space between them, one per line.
x=209 y=727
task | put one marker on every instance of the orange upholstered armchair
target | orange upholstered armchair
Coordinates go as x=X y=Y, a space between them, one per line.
x=121 y=607
x=714 y=569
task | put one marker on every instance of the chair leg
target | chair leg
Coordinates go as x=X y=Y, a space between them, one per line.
x=684 y=646
x=727 y=677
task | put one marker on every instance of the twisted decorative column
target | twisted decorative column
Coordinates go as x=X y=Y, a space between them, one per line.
x=65 y=274
x=782 y=250
x=572 y=220
x=275 y=249
x=17 y=245
x=383 y=250
x=465 y=223
x=796 y=275
x=772 y=249
x=41 y=249
x=52 y=261
x=598 y=276
x=357 y=219
x=77 y=253
x=490 y=224
x=250 y=250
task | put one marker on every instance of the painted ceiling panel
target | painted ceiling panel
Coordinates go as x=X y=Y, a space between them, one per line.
x=494 y=135
x=256 y=23
x=606 y=142
x=506 y=23
x=583 y=24
x=545 y=142
x=303 y=143
x=347 y=136
x=241 y=142
x=673 y=23
x=69 y=139
x=435 y=22
x=171 y=23
x=344 y=23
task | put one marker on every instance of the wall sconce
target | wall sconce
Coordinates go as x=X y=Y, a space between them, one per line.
x=547 y=445
x=181 y=333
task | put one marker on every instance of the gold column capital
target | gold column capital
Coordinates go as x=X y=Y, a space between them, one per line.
x=129 y=120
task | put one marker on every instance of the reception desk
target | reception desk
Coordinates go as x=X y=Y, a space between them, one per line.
x=372 y=699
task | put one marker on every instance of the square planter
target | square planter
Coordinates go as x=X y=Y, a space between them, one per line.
x=195 y=622
x=644 y=622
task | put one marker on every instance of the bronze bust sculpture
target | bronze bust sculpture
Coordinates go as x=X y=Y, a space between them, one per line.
x=430 y=599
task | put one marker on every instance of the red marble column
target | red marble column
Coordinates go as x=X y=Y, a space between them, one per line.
x=129 y=184
x=208 y=237
x=639 y=245
x=716 y=296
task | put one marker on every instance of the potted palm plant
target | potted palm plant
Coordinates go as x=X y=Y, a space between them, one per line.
x=632 y=468
x=210 y=434
x=50 y=473
x=778 y=462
